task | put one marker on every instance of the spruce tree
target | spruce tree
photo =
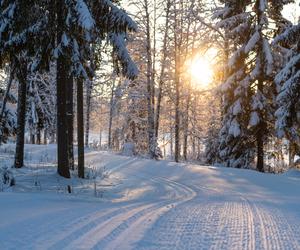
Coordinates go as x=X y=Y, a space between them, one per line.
x=249 y=87
x=263 y=70
x=236 y=149
x=288 y=85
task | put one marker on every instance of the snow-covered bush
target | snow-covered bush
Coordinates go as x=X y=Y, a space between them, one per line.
x=158 y=153
x=7 y=178
x=7 y=149
x=128 y=149
x=280 y=167
x=97 y=173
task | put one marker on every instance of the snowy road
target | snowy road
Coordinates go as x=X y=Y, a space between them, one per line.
x=160 y=205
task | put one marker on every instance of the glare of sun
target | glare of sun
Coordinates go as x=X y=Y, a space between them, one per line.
x=201 y=71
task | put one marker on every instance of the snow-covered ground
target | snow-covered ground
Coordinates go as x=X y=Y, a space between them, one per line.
x=148 y=204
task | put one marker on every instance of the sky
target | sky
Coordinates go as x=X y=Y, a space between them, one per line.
x=292 y=11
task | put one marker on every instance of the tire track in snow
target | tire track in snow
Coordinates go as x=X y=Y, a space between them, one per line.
x=267 y=228
x=48 y=223
x=35 y=234
x=89 y=239
x=114 y=232
x=272 y=229
x=121 y=239
x=220 y=220
x=86 y=223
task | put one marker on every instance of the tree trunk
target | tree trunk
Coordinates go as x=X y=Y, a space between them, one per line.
x=62 y=78
x=261 y=131
x=100 y=132
x=45 y=137
x=32 y=137
x=80 y=128
x=70 y=121
x=5 y=98
x=52 y=138
x=88 y=109
x=111 y=114
x=177 y=118
x=62 y=121
x=162 y=72
x=38 y=136
x=153 y=59
x=260 y=151
x=186 y=128
x=150 y=87
x=171 y=142
x=177 y=45
x=292 y=153
x=194 y=147
x=21 y=112
x=100 y=139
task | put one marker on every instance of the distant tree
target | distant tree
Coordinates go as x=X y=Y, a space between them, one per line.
x=41 y=103
x=8 y=114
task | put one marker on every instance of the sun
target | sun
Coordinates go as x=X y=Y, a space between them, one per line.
x=201 y=71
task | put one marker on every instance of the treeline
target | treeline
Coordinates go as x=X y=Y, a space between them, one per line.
x=74 y=53
x=249 y=114
x=164 y=112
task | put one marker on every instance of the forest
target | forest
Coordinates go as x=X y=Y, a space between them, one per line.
x=149 y=124
x=205 y=81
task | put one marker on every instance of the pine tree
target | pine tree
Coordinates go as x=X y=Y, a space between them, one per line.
x=235 y=142
x=263 y=70
x=251 y=114
x=288 y=85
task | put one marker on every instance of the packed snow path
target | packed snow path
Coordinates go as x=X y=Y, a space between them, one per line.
x=160 y=205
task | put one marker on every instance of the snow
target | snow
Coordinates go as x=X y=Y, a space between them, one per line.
x=235 y=57
x=268 y=56
x=263 y=5
x=128 y=149
x=286 y=72
x=65 y=40
x=118 y=41
x=221 y=12
x=290 y=35
x=151 y=205
x=237 y=107
x=84 y=16
x=254 y=119
x=252 y=42
x=234 y=128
